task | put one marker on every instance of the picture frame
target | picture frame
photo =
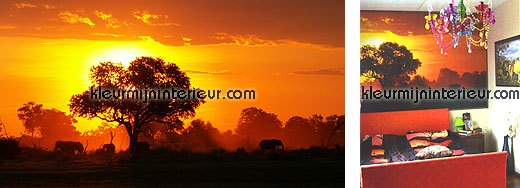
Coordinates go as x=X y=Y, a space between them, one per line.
x=466 y=116
x=507 y=57
x=468 y=124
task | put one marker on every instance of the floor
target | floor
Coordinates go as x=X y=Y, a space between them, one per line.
x=513 y=181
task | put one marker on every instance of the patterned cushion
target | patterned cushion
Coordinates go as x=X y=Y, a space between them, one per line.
x=377 y=140
x=377 y=146
x=419 y=143
x=421 y=135
x=377 y=152
x=434 y=152
x=429 y=135
x=378 y=160
x=439 y=134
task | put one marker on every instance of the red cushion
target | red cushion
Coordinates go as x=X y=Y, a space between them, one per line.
x=377 y=140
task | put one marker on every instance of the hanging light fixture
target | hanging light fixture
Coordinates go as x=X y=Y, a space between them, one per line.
x=459 y=21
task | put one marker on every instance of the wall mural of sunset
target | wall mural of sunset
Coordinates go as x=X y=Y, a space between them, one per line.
x=424 y=66
x=172 y=93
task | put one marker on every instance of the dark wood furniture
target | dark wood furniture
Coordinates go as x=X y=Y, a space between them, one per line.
x=475 y=141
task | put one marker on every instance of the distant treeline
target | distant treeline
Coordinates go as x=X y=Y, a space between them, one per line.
x=43 y=127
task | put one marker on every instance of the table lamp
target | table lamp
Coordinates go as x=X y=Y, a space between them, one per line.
x=458 y=123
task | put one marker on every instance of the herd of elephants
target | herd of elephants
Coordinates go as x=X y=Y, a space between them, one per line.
x=10 y=148
x=73 y=147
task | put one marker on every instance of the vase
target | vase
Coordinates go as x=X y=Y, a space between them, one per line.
x=510 y=160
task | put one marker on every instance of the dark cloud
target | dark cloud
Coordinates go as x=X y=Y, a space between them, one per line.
x=421 y=50
x=411 y=23
x=169 y=21
x=322 y=72
x=209 y=72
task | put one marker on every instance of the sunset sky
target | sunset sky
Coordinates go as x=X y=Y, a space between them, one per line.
x=408 y=29
x=290 y=52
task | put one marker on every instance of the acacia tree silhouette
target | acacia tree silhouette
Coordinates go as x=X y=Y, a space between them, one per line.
x=144 y=72
x=299 y=132
x=28 y=114
x=390 y=64
x=255 y=124
x=50 y=123
x=202 y=135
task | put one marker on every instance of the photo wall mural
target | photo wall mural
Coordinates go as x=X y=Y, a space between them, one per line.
x=414 y=62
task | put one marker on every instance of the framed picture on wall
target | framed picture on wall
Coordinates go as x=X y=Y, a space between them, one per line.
x=468 y=124
x=507 y=62
x=466 y=116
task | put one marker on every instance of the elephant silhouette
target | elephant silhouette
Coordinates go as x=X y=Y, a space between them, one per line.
x=69 y=147
x=109 y=148
x=9 y=148
x=271 y=145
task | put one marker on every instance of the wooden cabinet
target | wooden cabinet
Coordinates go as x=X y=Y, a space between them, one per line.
x=475 y=141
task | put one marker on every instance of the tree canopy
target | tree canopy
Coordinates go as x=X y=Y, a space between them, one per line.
x=202 y=135
x=49 y=123
x=143 y=72
x=391 y=64
x=297 y=128
x=27 y=114
x=256 y=124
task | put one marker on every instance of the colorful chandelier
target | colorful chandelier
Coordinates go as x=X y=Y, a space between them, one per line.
x=459 y=21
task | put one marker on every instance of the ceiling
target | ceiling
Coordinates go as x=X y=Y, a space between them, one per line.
x=414 y=5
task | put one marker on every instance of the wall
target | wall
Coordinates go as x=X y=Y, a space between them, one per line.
x=493 y=120
x=507 y=25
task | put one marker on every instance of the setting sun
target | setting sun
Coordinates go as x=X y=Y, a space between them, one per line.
x=123 y=54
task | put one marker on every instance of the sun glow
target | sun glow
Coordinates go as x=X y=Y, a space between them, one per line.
x=374 y=41
x=115 y=52
x=122 y=54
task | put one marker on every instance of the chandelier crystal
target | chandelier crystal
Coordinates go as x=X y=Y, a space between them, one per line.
x=459 y=21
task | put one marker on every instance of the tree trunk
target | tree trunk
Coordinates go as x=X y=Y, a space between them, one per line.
x=133 y=142
x=133 y=137
x=382 y=83
x=133 y=133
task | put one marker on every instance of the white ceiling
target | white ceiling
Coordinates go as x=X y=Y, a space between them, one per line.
x=415 y=5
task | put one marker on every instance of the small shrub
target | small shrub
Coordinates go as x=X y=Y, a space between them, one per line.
x=9 y=148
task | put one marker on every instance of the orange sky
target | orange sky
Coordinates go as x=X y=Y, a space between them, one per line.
x=291 y=53
x=407 y=28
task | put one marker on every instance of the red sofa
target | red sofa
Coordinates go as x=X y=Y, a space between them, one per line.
x=479 y=170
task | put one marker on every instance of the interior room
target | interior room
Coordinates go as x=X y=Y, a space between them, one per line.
x=425 y=48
